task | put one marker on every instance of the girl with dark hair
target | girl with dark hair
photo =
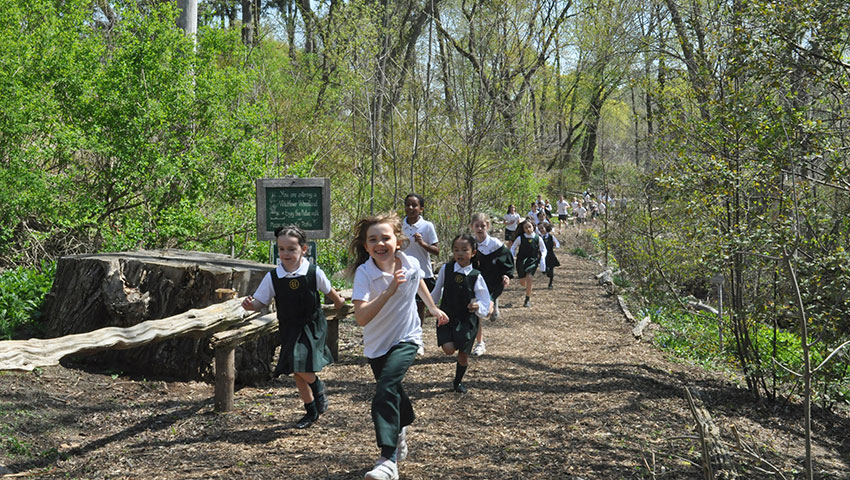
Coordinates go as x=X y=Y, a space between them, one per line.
x=465 y=299
x=530 y=252
x=294 y=285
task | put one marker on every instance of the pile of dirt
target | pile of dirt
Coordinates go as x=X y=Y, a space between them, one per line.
x=563 y=392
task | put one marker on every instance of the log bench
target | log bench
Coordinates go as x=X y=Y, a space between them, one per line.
x=226 y=322
x=225 y=342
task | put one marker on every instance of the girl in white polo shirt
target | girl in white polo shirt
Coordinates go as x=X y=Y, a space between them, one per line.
x=386 y=282
x=422 y=243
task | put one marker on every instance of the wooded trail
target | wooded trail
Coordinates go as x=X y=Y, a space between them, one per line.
x=564 y=391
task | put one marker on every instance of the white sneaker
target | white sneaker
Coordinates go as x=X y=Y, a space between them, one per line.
x=420 y=351
x=384 y=470
x=401 y=445
x=479 y=349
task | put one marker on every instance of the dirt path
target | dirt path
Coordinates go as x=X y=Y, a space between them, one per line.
x=563 y=392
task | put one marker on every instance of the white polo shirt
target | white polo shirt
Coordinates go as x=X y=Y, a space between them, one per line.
x=265 y=292
x=398 y=320
x=512 y=221
x=482 y=295
x=429 y=236
x=562 y=207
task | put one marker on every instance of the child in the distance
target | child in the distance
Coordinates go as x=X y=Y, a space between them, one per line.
x=302 y=327
x=530 y=253
x=551 y=243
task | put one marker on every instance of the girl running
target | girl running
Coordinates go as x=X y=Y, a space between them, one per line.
x=386 y=282
x=302 y=327
x=530 y=253
x=465 y=299
x=496 y=265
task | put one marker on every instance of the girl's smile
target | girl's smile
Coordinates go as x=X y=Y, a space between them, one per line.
x=381 y=243
x=412 y=209
x=290 y=252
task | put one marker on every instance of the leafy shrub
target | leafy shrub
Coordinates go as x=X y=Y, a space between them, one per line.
x=22 y=292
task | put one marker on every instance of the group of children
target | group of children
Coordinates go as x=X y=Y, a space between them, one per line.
x=393 y=283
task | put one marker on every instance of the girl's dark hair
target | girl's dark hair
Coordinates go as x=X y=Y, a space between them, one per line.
x=416 y=196
x=473 y=244
x=522 y=223
x=357 y=246
x=509 y=208
x=548 y=227
x=291 y=231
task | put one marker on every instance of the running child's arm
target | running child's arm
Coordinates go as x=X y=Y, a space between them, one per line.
x=334 y=296
x=542 y=248
x=251 y=303
x=433 y=249
x=425 y=295
x=515 y=246
x=265 y=291
x=481 y=304
x=324 y=286
x=437 y=292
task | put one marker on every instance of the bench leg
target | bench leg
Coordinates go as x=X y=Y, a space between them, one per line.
x=333 y=338
x=225 y=376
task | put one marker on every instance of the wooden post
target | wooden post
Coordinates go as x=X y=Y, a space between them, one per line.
x=225 y=375
x=333 y=337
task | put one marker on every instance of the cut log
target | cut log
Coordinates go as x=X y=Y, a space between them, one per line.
x=123 y=289
x=701 y=306
x=638 y=330
x=29 y=354
x=626 y=313
x=717 y=463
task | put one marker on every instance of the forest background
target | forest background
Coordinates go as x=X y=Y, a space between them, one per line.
x=720 y=128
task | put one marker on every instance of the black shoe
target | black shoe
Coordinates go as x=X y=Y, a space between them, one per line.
x=527 y=303
x=322 y=402
x=306 y=420
x=460 y=388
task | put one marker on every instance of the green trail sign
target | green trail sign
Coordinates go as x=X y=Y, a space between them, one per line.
x=304 y=202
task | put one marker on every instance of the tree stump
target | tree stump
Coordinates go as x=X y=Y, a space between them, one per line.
x=126 y=288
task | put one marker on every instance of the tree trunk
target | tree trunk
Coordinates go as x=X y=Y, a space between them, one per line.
x=124 y=289
x=188 y=19
x=248 y=23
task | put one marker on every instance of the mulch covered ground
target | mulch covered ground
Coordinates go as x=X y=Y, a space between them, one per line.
x=563 y=392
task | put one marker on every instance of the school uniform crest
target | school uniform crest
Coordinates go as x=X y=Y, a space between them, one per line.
x=459 y=277
x=294 y=284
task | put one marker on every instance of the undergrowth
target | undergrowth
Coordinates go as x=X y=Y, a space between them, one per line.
x=22 y=292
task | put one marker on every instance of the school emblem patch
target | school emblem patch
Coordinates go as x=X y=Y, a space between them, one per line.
x=294 y=284
x=459 y=278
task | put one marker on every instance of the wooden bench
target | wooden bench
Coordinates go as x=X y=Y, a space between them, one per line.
x=225 y=323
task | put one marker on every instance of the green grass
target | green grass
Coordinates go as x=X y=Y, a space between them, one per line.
x=694 y=338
